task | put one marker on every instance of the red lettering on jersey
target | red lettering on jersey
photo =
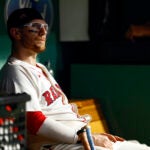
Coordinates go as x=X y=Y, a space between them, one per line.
x=47 y=97
x=54 y=92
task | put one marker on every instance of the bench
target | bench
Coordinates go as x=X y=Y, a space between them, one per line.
x=91 y=107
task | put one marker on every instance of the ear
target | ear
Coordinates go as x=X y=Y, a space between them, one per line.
x=15 y=33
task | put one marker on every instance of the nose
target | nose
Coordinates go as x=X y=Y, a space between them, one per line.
x=42 y=31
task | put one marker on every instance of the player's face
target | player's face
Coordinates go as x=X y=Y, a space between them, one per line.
x=34 y=35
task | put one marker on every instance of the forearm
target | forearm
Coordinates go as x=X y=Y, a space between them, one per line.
x=140 y=30
x=137 y=31
x=57 y=131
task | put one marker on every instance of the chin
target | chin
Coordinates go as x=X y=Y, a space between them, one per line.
x=40 y=49
x=43 y=48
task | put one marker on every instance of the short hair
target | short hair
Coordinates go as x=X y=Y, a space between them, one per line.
x=21 y=16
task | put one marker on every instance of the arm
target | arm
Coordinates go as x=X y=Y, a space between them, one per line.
x=20 y=81
x=137 y=31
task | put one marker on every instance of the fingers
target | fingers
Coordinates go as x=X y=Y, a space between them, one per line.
x=106 y=140
x=103 y=141
x=113 y=138
x=119 y=138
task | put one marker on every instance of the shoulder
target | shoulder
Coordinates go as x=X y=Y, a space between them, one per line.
x=12 y=71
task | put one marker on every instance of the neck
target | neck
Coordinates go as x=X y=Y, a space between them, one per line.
x=23 y=56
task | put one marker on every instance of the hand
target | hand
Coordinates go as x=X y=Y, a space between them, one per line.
x=103 y=141
x=113 y=138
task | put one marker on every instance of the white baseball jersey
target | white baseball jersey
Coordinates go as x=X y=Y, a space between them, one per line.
x=50 y=119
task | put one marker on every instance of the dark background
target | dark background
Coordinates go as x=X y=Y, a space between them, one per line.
x=112 y=68
x=108 y=44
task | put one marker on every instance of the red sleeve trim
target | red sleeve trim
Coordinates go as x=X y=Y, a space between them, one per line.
x=34 y=121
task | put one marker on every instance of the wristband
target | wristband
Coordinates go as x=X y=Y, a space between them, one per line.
x=81 y=131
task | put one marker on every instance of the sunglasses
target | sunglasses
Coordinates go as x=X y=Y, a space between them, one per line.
x=37 y=26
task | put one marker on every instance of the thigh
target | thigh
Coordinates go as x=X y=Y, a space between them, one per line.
x=73 y=147
x=67 y=147
x=130 y=145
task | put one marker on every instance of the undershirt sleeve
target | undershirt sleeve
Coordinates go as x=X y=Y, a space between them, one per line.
x=57 y=131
